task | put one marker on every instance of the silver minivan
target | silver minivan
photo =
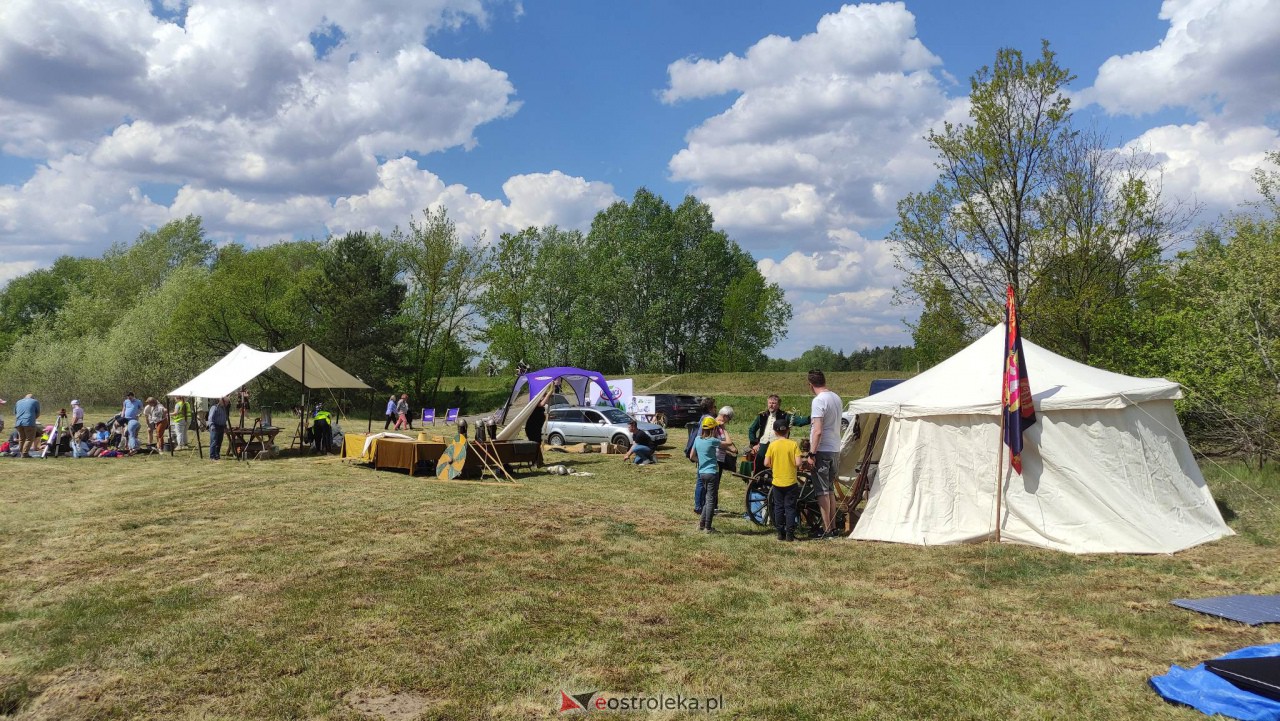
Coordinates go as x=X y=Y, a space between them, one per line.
x=595 y=424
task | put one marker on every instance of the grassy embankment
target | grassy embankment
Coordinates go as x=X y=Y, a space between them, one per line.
x=165 y=588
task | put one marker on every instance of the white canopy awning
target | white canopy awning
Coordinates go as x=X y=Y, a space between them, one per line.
x=243 y=364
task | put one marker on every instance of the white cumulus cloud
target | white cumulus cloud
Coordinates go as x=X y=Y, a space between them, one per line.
x=825 y=132
x=1218 y=56
x=267 y=120
x=1209 y=163
x=855 y=264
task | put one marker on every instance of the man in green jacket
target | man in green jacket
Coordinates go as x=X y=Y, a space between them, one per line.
x=761 y=433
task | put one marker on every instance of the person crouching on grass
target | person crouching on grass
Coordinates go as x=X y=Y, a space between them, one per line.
x=642 y=445
x=783 y=457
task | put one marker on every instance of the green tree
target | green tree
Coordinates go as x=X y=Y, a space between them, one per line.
x=1024 y=199
x=678 y=284
x=261 y=297
x=534 y=291
x=1227 y=344
x=940 y=332
x=974 y=231
x=38 y=296
x=636 y=248
x=357 y=305
x=753 y=309
x=820 y=357
x=444 y=278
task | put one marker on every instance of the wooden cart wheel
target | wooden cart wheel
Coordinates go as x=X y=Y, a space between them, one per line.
x=759 y=501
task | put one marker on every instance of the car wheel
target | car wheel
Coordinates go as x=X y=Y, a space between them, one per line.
x=620 y=440
x=555 y=439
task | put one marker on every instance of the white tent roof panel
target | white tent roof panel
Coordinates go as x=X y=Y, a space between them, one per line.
x=969 y=383
x=243 y=364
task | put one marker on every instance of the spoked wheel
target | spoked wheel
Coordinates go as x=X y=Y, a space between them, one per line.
x=759 y=500
x=808 y=514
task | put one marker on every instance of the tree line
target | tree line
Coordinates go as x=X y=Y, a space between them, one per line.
x=890 y=359
x=646 y=286
x=1107 y=270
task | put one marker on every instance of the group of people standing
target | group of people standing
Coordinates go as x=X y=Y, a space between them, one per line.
x=120 y=435
x=771 y=447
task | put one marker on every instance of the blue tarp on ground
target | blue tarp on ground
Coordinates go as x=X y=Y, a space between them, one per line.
x=1210 y=694
x=1252 y=610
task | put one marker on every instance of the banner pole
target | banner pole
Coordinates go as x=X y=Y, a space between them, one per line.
x=999 y=472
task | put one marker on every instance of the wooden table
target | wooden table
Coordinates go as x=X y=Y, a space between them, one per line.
x=387 y=452
x=239 y=439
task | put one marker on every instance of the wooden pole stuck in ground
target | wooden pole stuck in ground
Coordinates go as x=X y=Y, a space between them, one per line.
x=999 y=472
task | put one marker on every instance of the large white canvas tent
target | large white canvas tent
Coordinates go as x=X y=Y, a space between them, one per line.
x=243 y=364
x=1106 y=468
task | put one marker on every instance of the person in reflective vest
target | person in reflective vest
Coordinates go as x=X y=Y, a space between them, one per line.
x=181 y=416
x=322 y=431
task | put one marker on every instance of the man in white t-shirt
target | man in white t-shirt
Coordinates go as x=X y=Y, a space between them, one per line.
x=824 y=447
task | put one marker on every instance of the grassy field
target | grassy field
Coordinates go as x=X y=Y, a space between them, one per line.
x=304 y=588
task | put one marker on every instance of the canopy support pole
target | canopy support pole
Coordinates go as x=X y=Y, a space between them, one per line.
x=300 y=436
x=195 y=423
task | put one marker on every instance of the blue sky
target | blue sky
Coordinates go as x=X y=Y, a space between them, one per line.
x=798 y=123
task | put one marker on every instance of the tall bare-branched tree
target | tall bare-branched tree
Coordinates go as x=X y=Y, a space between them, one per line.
x=1023 y=198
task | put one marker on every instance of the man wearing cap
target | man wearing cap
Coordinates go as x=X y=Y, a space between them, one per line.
x=129 y=411
x=761 y=432
x=77 y=417
x=824 y=447
x=181 y=416
x=25 y=412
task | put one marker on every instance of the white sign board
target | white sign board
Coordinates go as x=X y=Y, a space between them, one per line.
x=642 y=407
x=619 y=391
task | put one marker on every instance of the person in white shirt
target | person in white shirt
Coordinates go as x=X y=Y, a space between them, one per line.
x=77 y=416
x=157 y=422
x=824 y=447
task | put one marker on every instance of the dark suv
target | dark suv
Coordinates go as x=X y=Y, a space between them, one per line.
x=676 y=410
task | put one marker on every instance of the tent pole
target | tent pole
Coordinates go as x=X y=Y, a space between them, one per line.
x=302 y=416
x=999 y=472
x=195 y=423
x=372 y=407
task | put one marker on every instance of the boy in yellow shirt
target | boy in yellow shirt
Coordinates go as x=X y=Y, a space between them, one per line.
x=783 y=457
